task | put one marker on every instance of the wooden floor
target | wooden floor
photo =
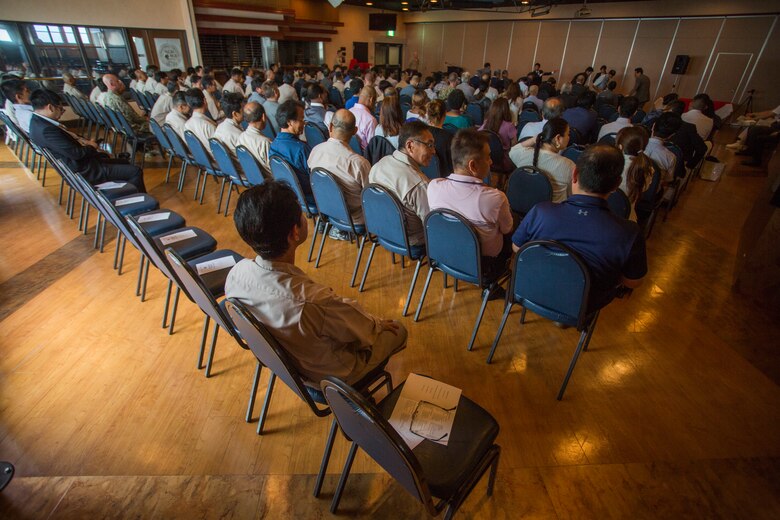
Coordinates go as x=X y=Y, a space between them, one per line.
x=674 y=412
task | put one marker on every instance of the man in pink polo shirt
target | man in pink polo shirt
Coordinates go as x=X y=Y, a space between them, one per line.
x=485 y=207
x=364 y=116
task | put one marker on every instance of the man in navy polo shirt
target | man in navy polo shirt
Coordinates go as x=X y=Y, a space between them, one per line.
x=612 y=247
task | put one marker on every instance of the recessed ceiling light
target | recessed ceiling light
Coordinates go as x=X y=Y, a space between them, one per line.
x=434 y=1
x=404 y=3
x=404 y=9
x=524 y=1
x=369 y=3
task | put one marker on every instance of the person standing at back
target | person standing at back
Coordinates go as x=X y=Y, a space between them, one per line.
x=641 y=88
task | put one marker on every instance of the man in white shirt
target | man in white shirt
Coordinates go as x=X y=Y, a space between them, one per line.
x=252 y=138
x=164 y=103
x=350 y=168
x=696 y=117
x=235 y=83
x=286 y=90
x=96 y=91
x=160 y=84
x=199 y=123
x=140 y=81
x=229 y=130
x=628 y=107
x=363 y=111
x=69 y=86
x=21 y=111
x=664 y=127
x=179 y=113
x=552 y=108
x=209 y=86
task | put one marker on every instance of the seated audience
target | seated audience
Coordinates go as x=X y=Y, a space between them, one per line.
x=286 y=89
x=390 y=120
x=455 y=103
x=315 y=111
x=628 y=107
x=412 y=87
x=638 y=167
x=209 y=86
x=613 y=248
x=229 y=130
x=256 y=94
x=164 y=103
x=695 y=116
x=199 y=123
x=435 y=114
x=552 y=108
x=17 y=104
x=665 y=126
x=179 y=113
x=687 y=137
x=499 y=121
x=236 y=82
x=533 y=91
x=418 y=108
x=464 y=86
x=608 y=95
x=356 y=85
x=756 y=138
x=288 y=145
x=582 y=117
x=364 y=115
x=546 y=155
x=325 y=334
x=79 y=154
x=271 y=105
x=115 y=101
x=69 y=86
x=400 y=174
x=252 y=138
x=600 y=79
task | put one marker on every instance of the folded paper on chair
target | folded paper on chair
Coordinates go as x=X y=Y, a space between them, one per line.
x=215 y=265
x=425 y=410
x=129 y=200
x=178 y=237
x=165 y=215
x=110 y=185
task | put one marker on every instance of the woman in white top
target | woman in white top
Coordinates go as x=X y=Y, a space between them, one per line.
x=515 y=98
x=638 y=168
x=419 y=106
x=545 y=155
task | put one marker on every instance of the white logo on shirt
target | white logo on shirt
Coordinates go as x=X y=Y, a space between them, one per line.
x=581 y=212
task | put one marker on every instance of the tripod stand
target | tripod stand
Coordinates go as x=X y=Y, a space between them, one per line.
x=747 y=104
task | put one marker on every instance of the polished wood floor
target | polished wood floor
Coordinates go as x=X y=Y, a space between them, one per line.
x=673 y=413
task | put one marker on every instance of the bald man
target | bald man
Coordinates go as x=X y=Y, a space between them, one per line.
x=553 y=107
x=114 y=100
x=336 y=156
x=364 y=115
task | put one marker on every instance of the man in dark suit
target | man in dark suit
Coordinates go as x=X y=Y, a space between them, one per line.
x=81 y=155
x=687 y=138
x=641 y=88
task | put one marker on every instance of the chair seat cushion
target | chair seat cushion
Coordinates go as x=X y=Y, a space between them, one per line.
x=199 y=245
x=215 y=280
x=144 y=205
x=447 y=467
x=417 y=252
x=158 y=227
x=118 y=192
x=360 y=229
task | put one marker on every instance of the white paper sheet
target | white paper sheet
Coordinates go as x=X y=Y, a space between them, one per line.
x=165 y=215
x=178 y=237
x=215 y=265
x=110 y=185
x=129 y=200
x=435 y=404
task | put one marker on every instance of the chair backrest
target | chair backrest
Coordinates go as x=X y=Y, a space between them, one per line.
x=378 y=147
x=384 y=216
x=575 y=137
x=453 y=245
x=530 y=105
x=199 y=154
x=160 y=135
x=619 y=204
x=268 y=131
x=314 y=134
x=496 y=150
x=348 y=94
x=199 y=293
x=526 y=187
x=354 y=143
x=551 y=280
x=475 y=113
x=364 y=424
x=638 y=116
x=283 y=172
x=225 y=161
x=529 y=115
x=269 y=352
x=450 y=128
x=110 y=116
x=433 y=170
x=606 y=111
x=573 y=152
x=679 y=166
x=608 y=138
x=334 y=96
x=177 y=145
x=251 y=167
x=330 y=198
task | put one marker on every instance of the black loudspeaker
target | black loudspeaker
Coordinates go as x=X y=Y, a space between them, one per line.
x=680 y=64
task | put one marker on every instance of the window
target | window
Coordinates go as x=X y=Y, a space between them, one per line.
x=5 y=36
x=42 y=33
x=69 y=36
x=56 y=35
x=84 y=35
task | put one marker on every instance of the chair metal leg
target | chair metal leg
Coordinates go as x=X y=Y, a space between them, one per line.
x=493 y=471
x=121 y=256
x=173 y=311
x=425 y=291
x=507 y=310
x=96 y=240
x=221 y=195
x=204 y=335
x=479 y=317
x=140 y=275
x=403 y=262
x=317 y=223
x=522 y=316
x=197 y=184
x=182 y=175
x=325 y=457
x=411 y=287
x=392 y=258
x=62 y=187
x=103 y=234
x=146 y=278
x=357 y=261
x=213 y=348
x=203 y=188
x=455 y=285
x=573 y=362
x=168 y=171
x=116 y=248
x=253 y=392
x=368 y=265
x=343 y=480
x=322 y=243
x=167 y=305
x=590 y=330
x=227 y=203
x=45 y=166
x=267 y=401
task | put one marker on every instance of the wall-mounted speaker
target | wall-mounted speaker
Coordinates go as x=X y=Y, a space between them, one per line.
x=681 y=62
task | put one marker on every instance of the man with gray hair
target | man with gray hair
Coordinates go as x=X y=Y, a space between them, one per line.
x=271 y=105
x=115 y=101
x=464 y=86
x=69 y=86
x=252 y=138
x=551 y=109
x=336 y=156
x=179 y=113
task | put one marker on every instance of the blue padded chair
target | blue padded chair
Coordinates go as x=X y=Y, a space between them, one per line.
x=271 y=354
x=202 y=159
x=649 y=202
x=165 y=145
x=334 y=97
x=501 y=163
x=450 y=128
x=475 y=113
x=573 y=152
x=283 y=172
x=432 y=170
x=348 y=94
x=453 y=248
x=608 y=138
x=334 y=212
x=231 y=172
x=137 y=140
x=268 y=131
x=314 y=134
x=448 y=473
x=638 y=117
x=196 y=287
x=526 y=187
x=354 y=143
x=386 y=225
x=551 y=280
x=254 y=173
x=606 y=111
x=619 y=204
x=182 y=153
x=527 y=115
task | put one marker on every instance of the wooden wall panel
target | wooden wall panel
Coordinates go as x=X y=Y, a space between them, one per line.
x=430 y=58
x=498 y=37
x=615 y=45
x=452 y=51
x=580 y=48
x=694 y=38
x=552 y=40
x=414 y=42
x=766 y=78
x=521 y=58
x=474 y=49
x=650 y=50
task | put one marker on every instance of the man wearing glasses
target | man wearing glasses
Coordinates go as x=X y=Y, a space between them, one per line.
x=400 y=173
x=81 y=155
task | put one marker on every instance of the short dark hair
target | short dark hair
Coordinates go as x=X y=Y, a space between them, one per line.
x=356 y=85
x=180 y=98
x=287 y=111
x=600 y=168
x=232 y=102
x=172 y=87
x=639 y=70
x=160 y=75
x=269 y=89
x=288 y=79
x=467 y=145
x=265 y=215
x=195 y=98
x=315 y=91
x=257 y=82
x=628 y=106
x=43 y=97
x=667 y=124
x=12 y=87
x=456 y=99
x=670 y=97
x=612 y=85
x=676 y=106
x=254 y=113
x=411 y=130
x=207 y=81
x=586 y=99
x=235 y=71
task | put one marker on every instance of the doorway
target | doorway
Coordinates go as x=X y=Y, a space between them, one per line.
x=388 y=55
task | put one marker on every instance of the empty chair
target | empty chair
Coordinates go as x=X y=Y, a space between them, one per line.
x=253 y=171
x=314 y=134
x=231 y=172
x=608 y=138
x=551 y=280
x=385 y=220
x=448 y=473
x=619 y=204
x=573 y=152
x=334 y=97
x=526 y=187
x=283 y=172
x=165 y=145
x=271 y=354
x=354 y=143
x=202 y=159
x=453 y=248
x=181 y=152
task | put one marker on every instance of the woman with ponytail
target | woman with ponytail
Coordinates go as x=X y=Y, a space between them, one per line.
x=545 y=155
x=638 y=167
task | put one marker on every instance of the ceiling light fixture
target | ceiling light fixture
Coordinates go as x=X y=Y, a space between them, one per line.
x=369 y=3
x=404 y=9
